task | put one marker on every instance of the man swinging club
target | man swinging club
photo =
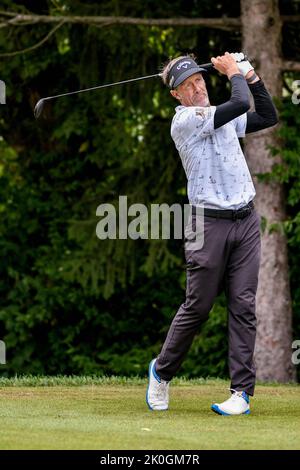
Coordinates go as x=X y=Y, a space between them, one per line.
x=218 y=180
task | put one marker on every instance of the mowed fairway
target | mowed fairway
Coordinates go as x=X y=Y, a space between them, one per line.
x=115 y=416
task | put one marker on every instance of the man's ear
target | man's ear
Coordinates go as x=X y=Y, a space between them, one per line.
x=175 y=94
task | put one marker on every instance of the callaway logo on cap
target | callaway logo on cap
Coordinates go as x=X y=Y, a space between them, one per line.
x=183 y=64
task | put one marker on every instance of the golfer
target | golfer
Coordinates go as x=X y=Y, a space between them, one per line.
x=219 y=182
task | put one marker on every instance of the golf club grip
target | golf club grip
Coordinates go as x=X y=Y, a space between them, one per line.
x=210 y=66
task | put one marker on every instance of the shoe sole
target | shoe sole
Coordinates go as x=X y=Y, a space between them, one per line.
x=147 y=401
x=217 y=410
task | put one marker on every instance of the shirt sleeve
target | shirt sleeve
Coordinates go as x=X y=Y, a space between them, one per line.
x=238 y=103
x=265 y=114
x=193 y=122
x=240 y=124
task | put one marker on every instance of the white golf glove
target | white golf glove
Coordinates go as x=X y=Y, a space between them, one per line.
x=244 y=66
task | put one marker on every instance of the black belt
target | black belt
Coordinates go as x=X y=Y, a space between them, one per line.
x=228 y=213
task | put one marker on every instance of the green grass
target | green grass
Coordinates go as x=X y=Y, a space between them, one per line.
x=110 y=413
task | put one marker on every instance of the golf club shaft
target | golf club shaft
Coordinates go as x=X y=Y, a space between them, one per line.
x=207 y=66
x=101 y=86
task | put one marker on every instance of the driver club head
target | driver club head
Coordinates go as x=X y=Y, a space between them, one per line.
x=39 y=107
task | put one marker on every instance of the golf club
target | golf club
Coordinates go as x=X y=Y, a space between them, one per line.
x=38 y=109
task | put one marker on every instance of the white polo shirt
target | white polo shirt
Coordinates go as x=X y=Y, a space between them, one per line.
x=215 y=166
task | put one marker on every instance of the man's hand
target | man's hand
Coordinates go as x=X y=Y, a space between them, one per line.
x=225 y=64
x=244 y=66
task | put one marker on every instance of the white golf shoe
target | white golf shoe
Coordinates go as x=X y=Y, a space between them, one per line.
x=157 y=396
x=237 y=404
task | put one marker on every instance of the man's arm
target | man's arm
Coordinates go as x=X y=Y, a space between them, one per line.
x=238 y=103
x=265 y=112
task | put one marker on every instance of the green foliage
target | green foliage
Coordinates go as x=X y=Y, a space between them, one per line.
x=69 y=302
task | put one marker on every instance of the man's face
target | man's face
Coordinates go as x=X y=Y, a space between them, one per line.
x=192 y=91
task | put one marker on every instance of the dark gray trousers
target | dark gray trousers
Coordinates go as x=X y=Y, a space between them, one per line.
x=228 y=259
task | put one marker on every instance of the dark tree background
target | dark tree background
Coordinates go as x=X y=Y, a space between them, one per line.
x=69 y=302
